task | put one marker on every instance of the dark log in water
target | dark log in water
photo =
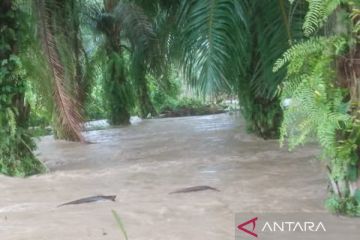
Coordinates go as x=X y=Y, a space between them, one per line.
x=195 y=189
x=90 y=199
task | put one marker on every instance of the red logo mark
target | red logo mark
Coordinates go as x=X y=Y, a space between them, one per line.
x=252 y=233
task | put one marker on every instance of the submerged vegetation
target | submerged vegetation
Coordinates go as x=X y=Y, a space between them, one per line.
x=293 y=65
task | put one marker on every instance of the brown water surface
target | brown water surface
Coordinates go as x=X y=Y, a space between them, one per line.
x=141 y=164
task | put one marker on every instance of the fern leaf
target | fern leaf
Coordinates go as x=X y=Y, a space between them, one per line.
x=300 y=50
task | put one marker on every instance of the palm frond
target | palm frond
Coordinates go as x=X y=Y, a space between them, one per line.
x=213 y=36
x=136 y=25
x=66 y=107
x=269 y=44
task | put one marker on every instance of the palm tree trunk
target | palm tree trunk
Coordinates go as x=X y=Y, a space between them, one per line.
x=263 y=115
x=115 y=90
x=115 y=80
x=145 y=104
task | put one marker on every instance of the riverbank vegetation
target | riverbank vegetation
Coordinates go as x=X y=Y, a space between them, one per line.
x=293 y=66
x=323 y=77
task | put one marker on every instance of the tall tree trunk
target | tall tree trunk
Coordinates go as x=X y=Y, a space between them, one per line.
x=82 y=75
x=115 y=88
x=263 y=115
x=348 y=76
x=354 y=66
x=145 y=104
x=115 y=84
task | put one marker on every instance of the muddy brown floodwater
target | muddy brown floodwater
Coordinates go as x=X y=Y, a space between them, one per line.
x=141 y=164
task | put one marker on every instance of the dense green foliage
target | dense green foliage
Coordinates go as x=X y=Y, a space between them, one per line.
x=16 y=145
x=324 y=104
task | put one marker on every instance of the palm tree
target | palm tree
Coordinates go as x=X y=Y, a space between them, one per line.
x=118 y=92
x=230 y=46
x=273 y=26
x=128 y=45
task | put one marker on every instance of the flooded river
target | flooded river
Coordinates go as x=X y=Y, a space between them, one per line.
x=141 y=164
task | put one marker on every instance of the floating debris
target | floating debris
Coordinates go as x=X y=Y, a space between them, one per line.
x=90 y=200
x=195 y=189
